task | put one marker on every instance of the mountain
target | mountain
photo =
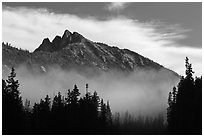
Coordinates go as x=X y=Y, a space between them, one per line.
x=73 y=51
x=59 y=43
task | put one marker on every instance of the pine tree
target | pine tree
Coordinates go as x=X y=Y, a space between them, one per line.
x=75 y=94
x=13 y=122
x=189 y=70
x=72 y=96
x=102 y=116
x=108 y=114
x=69 y=97
x=44 y=115
x=103 y=111
x=198 y=106
x=169 y=114
x=12 y=88
x=174 y=93
x=36 y=118
x=171 y=110
x=47 y=103
x=57 y=104
x=95 y=101
x=57 y=112
x=184 y=108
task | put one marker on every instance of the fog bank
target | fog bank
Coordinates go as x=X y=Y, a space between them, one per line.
x=141 y=92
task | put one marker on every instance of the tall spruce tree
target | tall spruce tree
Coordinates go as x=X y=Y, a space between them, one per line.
x=185 y=105
x=13 y=115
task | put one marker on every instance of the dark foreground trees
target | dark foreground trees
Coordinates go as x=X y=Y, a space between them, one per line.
x=88 y=114
x=12 y=108
x=184 y=114
x=69 y=114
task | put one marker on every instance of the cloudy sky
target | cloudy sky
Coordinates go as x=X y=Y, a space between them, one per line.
x=163 y=32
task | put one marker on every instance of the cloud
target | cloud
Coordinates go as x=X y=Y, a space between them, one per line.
x=116 y=6
x=26 y=28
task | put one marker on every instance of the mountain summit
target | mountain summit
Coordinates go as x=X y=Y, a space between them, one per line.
x=73 y=51
x=59 y=43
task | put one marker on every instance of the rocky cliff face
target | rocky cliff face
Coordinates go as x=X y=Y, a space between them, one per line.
x=59 y=43
x=73 y=51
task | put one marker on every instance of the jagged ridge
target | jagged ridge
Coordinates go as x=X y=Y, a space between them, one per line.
x=73 y=51
x=59 y=43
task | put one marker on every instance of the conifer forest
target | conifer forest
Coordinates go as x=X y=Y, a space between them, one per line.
x=74 y=114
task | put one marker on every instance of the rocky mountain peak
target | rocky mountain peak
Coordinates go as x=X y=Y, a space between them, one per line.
x=73 y=51
x=76 y=37
x=66 y=34
x=58 y=43
x=46 y=40
x=75 y=47
x=57 y=38
x=45 y=46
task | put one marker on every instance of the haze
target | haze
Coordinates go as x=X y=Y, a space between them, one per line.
x=141 y=92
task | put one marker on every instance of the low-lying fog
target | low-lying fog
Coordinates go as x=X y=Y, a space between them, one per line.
x=142 y=92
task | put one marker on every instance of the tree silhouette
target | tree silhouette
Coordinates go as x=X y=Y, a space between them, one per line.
x=185 y=104
x=73 y=96
x=12 y=108
x=108 y=114
x=89 y=106
x=72 y=109
x=105 y=117
x=71 y=115
x=57 y=111
x=57 y=104
x=41 y=117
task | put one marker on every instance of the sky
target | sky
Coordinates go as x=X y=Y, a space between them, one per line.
x=164 y=32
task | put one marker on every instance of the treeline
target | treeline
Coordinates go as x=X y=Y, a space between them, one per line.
x=70 y=114
x=63 y=115
x=184 y=114
x=89 y=114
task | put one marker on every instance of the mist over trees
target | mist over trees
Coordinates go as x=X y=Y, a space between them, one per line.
x=89 y=114
x=123 y=89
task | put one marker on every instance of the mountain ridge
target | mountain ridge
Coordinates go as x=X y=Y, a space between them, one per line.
x=59 y=42
x=72 y=51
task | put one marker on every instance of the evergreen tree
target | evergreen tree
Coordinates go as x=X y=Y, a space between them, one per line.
x=184 y=105
x=88 y=112
x=103 y=111
x=169 y=113
x=13 y=116
x=189 y=70
x=57 y=104
x=12 y=89
x=95 y=101
x=198 y=106
x=102 y=117
x=72 y=96
x=36 y=120
x=57 y=112
x=72 y=109
x=108 y=114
